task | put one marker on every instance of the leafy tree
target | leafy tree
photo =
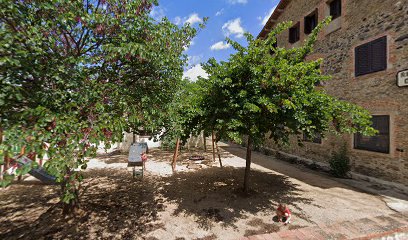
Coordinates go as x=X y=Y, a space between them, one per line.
x=182 y=108
x=76 y=73
x=267 y=91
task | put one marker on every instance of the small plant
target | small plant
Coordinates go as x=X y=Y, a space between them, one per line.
x=340 y=163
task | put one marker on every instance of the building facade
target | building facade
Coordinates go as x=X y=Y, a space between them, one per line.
x=364 y=48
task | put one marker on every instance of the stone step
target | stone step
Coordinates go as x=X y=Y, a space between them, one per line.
x=364 y=228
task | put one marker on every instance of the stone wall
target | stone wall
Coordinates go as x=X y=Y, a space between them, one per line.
x=361 y=21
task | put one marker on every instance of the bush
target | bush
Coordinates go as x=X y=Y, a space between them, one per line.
x=340 y=163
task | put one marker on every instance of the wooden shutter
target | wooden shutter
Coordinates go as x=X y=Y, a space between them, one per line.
x=371 y=57
x=362 y=59
x=379 y=54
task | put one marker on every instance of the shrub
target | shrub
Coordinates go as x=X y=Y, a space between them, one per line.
x=340 y=163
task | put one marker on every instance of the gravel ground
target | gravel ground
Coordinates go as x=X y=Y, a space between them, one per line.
x=200 y=201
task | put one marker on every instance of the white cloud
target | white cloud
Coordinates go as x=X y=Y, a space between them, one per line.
x=219 y=13
x=194 y=18
x=193 y=60
x=220 y=46
x=237 y=1
x=157 y=13
x=265 y=19
x=233 y=27
x=177 y=20
x=195 y=72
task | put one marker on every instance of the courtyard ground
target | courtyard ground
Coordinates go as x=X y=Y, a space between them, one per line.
x=200 y=201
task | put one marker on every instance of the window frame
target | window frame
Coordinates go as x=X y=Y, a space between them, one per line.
x=313 y=15
x=335 y=9
x=296 y=28
x=362 y=146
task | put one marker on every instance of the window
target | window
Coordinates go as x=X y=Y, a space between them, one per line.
x=311 y=22
x=294 y=33
x=335 y=9
x=371 y=57
x=378 y=143
x=275 y=44
x=316 y=139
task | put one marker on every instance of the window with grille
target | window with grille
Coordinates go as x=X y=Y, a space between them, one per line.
x=371 y=57
x=335 y=9
x=294 y=33
x=316 y=139
x=311 y=22
x=378 y=143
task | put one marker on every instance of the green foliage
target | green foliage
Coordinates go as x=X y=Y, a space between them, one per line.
x=78 y=73
x=267 y=91
x=264 y=89
x=340 y=163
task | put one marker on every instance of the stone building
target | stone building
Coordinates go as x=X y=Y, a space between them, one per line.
x=364 y=48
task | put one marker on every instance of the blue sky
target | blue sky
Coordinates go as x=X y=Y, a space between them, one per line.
x=226 y=18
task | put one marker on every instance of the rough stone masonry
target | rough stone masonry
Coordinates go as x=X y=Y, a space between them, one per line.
x=361 y=21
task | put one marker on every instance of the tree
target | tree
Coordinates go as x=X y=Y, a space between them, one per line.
x=76 y=73
x=266 y=90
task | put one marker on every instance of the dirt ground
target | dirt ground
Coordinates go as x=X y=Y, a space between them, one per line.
x=200 y=201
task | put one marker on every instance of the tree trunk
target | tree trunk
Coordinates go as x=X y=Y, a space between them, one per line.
x=204 y=143
x=6 y=161
x=218 y=152
x=22 y=153
x=213 y=147
x=1 y=165
x=248 y=165
x=173 y=164
x=72 y=206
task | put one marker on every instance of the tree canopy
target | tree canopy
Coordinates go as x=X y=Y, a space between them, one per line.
x=77 y=73
x=269 y=91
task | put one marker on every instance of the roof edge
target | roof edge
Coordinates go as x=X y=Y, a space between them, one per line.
x=274 y=16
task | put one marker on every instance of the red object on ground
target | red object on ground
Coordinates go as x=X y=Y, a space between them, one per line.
x=144 y=157
x=286 y=210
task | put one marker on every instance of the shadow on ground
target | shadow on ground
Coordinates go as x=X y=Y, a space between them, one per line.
x=307 y=175
x=116 y=206
x=302 y=173
x=215 y=194
x=113 y=206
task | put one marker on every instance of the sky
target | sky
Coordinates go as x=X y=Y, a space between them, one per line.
x=227 y=18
